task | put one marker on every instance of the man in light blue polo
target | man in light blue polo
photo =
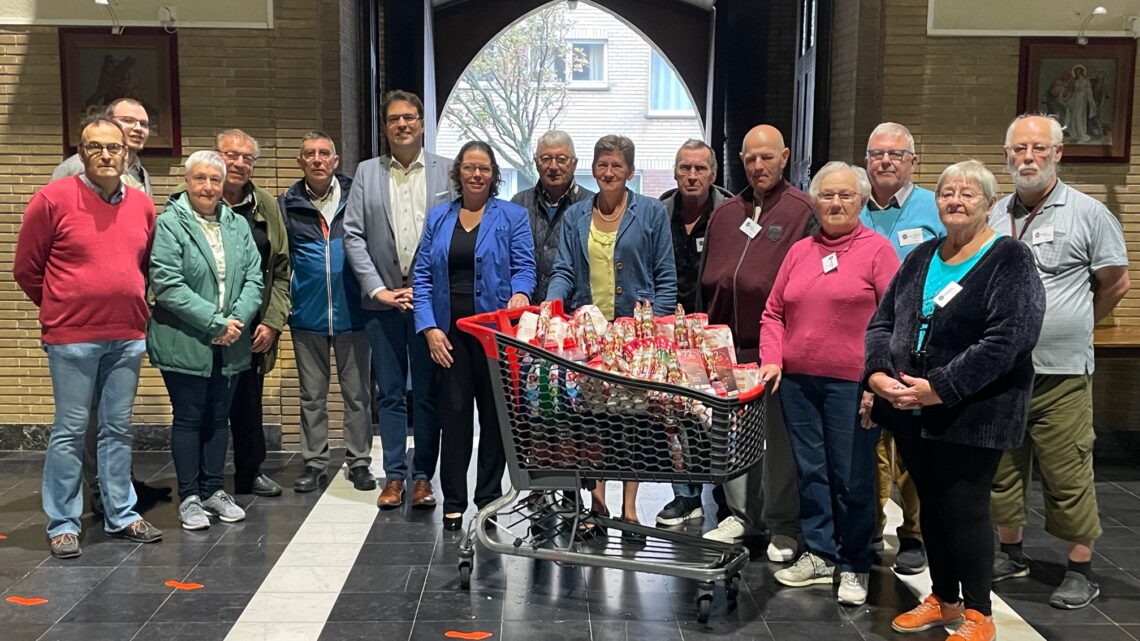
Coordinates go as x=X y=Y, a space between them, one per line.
x=906 y=214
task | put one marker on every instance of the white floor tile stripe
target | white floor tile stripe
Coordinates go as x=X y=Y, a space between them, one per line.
x=1010 y=626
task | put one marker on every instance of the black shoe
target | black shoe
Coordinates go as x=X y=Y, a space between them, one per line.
x=911 y=558
x=311 y=479
x=1075 y=592
x=361 y=478
x=1006 y=567
x=452 y=523
x=265 y=486
x=679 y=510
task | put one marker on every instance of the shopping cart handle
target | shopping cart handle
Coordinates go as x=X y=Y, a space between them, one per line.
x=484 y=326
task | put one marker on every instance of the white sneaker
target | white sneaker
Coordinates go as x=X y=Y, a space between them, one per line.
x=852 y=588
x=222 y=505
x=728 y=531
x=782 y=549
x=808 y=570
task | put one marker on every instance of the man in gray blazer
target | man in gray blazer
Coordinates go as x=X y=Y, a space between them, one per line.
x=384 y=218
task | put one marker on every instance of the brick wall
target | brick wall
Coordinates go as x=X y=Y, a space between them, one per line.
x=957 y=95
x=275 y=84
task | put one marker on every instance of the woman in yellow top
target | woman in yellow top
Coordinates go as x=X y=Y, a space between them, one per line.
x=616 y=249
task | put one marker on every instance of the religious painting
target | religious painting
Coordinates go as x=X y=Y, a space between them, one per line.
x=97 y=67
x=1088 y=88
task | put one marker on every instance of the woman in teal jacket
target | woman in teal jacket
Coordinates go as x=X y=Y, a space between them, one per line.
x=205 y=272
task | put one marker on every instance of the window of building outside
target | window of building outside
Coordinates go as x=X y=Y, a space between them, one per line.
x=667 y=96
x=586 y=179
x=590 y=68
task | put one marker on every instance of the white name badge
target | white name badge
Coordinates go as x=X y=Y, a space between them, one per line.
x=1043 y=235
x=947 y=294
x=700 y=245
x=750 y=227
x=908 y=237
x=830 y=262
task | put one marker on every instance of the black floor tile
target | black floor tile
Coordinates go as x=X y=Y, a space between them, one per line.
x=91 y=632
x=185 y=553
x=138 y=579
x=375 y=607
x=366 y=577
x=113 y=607
x=243 y=555
x=633 y=630
x=813 y=631
x=403 y=532
x=1039 y=613
x=201 y=606
x=524 y=606
x=58 y=604
x=76 y=579
x=197 y=631
x=397 y=554
x=719 y=630
x=229 y=579
x=435 y=630
x=460 y=605
x=101 y=554
x=815 y=603
x=576 y=630
x=24 y=631
x=365 y=631
x=1077 y=632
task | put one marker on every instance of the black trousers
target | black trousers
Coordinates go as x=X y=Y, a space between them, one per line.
x=953 y=483
x=246 y=426
x=461 y=386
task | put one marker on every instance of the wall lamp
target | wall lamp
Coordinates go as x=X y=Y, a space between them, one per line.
x=1081 y=38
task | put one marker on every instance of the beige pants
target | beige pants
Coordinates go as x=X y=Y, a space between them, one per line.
x=890 y=472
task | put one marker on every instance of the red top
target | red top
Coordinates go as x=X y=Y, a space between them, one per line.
x=84 y=262
x=814 y=321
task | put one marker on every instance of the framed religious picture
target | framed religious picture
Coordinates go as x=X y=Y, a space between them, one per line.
x=1088 y=88
x=97 y=68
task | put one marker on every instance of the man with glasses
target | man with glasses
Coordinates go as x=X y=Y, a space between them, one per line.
x=326 y=315
x=383 y=222
x=82 y=258
x=240 y=151
x=546 y=202
x=1083 y=262
x=132 y=118
x=907 y=215
x=689 y=207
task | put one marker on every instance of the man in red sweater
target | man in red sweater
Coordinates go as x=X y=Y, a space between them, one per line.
x=82 y=259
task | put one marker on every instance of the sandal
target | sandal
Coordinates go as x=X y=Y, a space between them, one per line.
x=588 y=528
x=626 y=535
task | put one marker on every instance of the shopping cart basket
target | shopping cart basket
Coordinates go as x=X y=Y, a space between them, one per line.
x=563 y=422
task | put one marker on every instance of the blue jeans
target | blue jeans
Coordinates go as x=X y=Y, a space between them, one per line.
x=395 y=348
x=687 y=490
x=835 y=463
x=80 y=372
x=199 y=434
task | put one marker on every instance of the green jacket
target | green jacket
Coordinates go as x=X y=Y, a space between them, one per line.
x=183 y=278
x=276 y=272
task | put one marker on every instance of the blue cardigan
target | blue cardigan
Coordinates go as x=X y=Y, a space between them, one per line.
x=644 y=267
x=504 y=261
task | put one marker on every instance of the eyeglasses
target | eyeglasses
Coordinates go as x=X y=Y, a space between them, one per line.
x=963 y=195
x=128 y=121
x=95 y=149
x=895 y=154
x=685 y=169
x=471 y=170
x=844 y=196
x=408 y=118
x=234 y=156
x=310 y=154
x=559 y=160
x=1038 y=150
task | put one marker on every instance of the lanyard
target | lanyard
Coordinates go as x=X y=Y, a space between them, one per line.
x=1028 y=219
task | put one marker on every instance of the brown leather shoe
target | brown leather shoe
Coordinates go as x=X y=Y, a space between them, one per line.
x=392 y=496
x=423 y=496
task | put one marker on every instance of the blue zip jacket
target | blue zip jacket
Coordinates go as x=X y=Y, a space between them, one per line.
x=326 y=295
x=644 y=265
x=504 y=261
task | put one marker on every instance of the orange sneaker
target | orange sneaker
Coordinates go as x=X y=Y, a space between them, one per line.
x=976 y=627
x=931 y=613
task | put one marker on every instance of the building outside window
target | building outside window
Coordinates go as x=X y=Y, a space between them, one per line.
x=667 y=95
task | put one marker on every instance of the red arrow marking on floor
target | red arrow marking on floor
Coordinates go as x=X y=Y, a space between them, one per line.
x=471 y=636
x=19 y=600
x=178 y=585
x=3 y=538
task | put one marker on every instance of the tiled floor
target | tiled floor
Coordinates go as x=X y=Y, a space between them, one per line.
x=329 y=566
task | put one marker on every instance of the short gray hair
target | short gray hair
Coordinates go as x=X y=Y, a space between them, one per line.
x=972 y=170
x=696 y=144
x=315 y=134
x=555 y=138
x=1056 y=132
x=836 y=166
x=615 y=144
x=238 y=133
x=207 y=157
x=892 y=129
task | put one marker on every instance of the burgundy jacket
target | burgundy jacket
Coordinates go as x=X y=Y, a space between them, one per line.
x=737 y=272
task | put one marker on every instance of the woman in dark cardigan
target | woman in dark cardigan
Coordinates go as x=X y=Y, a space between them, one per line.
x=949 y=372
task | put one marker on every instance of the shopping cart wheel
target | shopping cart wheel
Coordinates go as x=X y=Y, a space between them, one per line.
x=704 y=601
x=732 y=587
x=466 y=562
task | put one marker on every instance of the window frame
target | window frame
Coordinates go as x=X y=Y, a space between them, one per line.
x=650 y=111
x=579 y=85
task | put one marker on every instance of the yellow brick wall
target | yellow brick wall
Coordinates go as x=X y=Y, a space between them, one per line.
x=275 y=84
x=957 y=95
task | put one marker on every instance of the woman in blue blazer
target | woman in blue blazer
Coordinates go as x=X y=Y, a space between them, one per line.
x=476 y=256
x=616 y=250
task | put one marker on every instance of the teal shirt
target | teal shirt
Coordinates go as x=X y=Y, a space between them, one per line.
x=918 y=214
x=940 y=274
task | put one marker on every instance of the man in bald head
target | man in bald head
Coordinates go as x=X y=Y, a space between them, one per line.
x=745 y=243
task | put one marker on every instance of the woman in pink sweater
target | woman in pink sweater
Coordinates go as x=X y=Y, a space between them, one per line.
x=811 y=351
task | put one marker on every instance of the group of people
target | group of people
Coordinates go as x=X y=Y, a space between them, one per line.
x=936 y=341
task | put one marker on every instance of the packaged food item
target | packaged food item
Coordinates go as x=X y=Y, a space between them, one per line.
x=692 y=364
x=721 y=360
x=747 y=376
x=717 y=336
x=527 y=327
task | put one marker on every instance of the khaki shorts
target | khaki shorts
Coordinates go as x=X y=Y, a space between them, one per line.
x=1060 y=436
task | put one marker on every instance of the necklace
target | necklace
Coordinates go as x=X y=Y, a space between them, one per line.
x=612 y=217
x=619 y=211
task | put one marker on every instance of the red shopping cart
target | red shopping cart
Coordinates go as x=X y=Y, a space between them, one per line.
x=563 y=422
